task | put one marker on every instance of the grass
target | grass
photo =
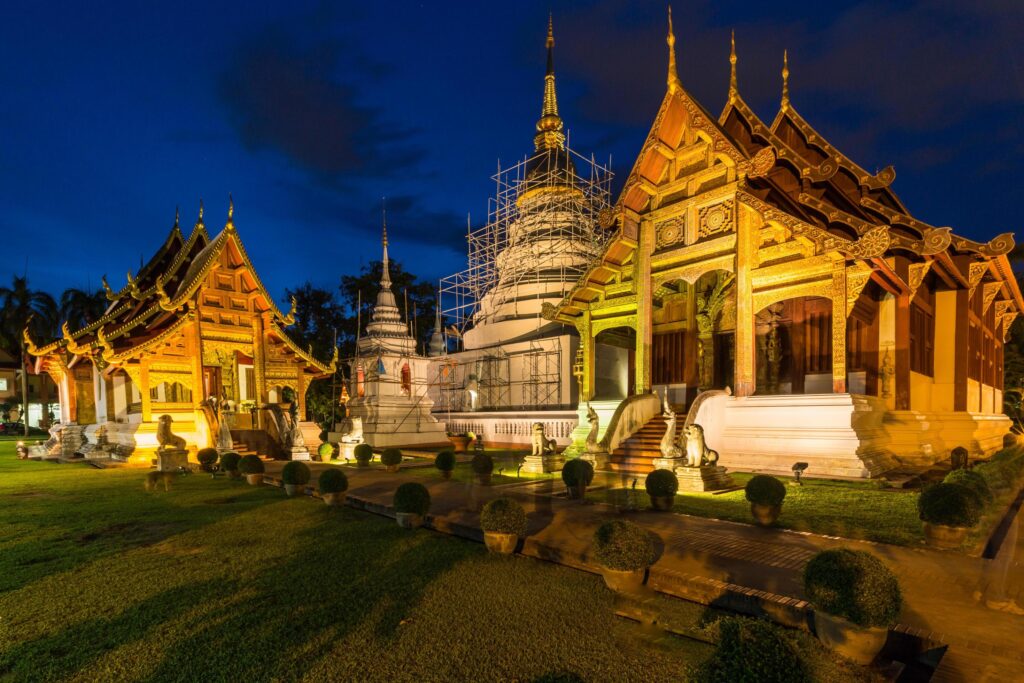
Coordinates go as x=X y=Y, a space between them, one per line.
x=217 y=580
x=851 y=509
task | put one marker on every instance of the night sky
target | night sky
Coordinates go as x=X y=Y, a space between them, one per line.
x=309 y=113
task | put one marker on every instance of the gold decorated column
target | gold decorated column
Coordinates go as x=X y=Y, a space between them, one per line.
x=839 y=314
x=747 y=237
x=147 y=401
x=644 y=307
x=587 y=346
x=259 y=359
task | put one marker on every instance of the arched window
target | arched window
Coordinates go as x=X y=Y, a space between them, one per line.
x=406 y=380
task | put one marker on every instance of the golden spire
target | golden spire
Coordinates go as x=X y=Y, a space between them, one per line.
x=785 y=79
x=733 y=86
x=673 y=76
x=230 y=225
x=177 y=218
x=549 y=126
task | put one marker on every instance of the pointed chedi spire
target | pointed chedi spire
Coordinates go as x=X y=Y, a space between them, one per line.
x=386 y=328
x=673 y=75
x=385 y=275
x=437 y=346
x=785 y=79
x=550 y=128
x=734 y=89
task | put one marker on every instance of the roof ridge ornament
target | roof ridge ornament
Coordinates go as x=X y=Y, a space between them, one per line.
x=785 y=79
x=230 y=225
x=550 y=128
x=734 y=90
x=673 y=75
x=111 y=294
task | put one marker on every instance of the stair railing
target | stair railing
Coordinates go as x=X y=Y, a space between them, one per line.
x=629 y=418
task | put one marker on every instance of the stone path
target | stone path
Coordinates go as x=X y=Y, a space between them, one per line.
x=752 y=569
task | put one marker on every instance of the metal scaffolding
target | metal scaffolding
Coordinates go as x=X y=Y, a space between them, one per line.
x=571 y=192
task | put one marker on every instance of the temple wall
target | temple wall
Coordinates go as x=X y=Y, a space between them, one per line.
x=515 y=429
x=921 y=387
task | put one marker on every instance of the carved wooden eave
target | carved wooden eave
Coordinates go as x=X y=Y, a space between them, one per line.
x=997 y=246
x=836 y=215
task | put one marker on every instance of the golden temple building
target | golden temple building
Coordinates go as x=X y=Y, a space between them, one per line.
x=194 y=322
x=758 y=261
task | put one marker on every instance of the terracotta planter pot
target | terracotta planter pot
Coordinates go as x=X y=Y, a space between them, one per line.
x=460 y=443
x=234 y=474
x=765 y=515
x=857 y=643
x=662 y=503
x=484 y=479
x=623 y=581
x=446 y=474
x=577 y=492
x=942 y=536
x=333 y=499
x=254 y=479
x=498 y=542
x=293 y=489
x=409 y=520
x=391 y=468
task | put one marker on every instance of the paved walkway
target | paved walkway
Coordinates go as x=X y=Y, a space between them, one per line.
x=754 y=569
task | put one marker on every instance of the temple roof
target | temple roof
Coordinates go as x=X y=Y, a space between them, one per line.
x=161 y=298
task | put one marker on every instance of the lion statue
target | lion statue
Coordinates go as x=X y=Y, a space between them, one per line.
x=697 y=452
x=168 y=440
x=542 y=445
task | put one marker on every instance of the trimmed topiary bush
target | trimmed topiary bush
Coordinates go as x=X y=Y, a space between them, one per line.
x=363 y=454
x=764 y=489
x=229 y=461
x=623 y=546
x=949 y=505
x=323 y=435
x=751 y=651
x=325 y=450
x=332 y=480
x=391 y=457
x=207 y=458
x=854 y=585
x=251 y=464
x=445 y=461
x=973 y=481
x=661 y=484
x=577 y=472
x=503 y=516
x=482 y=464
x=295 y=473
x=996 y=475
x=412 y=497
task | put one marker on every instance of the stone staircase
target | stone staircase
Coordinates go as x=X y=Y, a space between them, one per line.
x=636 y=454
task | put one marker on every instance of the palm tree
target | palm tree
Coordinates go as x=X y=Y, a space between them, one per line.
x=80 y=307
x=21 y=307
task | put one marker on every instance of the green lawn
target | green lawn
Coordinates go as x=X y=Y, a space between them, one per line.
x=850 y=509
x=218 y=580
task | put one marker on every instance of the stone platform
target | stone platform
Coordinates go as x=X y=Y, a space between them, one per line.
x=704 y=478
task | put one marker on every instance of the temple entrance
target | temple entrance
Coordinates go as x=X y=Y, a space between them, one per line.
x=615 y=363
x=715 y=312
x=211 y=382
x=85 y=399
x=794 y=347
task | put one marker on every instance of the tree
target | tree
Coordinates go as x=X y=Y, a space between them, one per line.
x=23 y=307
x=80 y=308
x=318 y=315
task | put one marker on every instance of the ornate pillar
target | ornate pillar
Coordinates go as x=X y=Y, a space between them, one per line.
x=147 y=401
x=839 y=314
x=587 y=348
x=961 y=351
x=300 y=390
x=902 y=369
x=747 y=236
x=644 y=307
x=259 y=359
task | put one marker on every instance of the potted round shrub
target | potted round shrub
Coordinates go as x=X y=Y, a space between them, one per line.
x=445 y=462
x=295 y=476
x=207 y=458
x=332 y=484
x=856 y=601
x=483 y=466
x=948 y=512
x=577 y=475
x=972 y=480
x=765 y=494
x=411 y=502
x=229 y=463
x=252 y=467
x=391 y=458
x=661 y=487
x=750 y=650
x=503 y=522
x=624 y=551
x=326 y=451
x=363 y=454
x=460 y=442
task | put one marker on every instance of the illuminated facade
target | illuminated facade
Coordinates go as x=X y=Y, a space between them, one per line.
x=758 y=257
x=195 y=322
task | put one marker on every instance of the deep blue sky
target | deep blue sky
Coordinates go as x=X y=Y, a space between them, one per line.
x=111 y=115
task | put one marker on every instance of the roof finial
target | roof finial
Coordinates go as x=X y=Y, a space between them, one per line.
x=785 y=79
x=673 y=75
x=733 y=86
x=385 y=277
x=177 y=217
x=549 y=126
x=199 y=221
x=231 y=212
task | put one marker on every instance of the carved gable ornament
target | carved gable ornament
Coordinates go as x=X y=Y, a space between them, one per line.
x=975 y=272
x=716 y=219
x=916 y=276
x=670 y=232
x=988 y=293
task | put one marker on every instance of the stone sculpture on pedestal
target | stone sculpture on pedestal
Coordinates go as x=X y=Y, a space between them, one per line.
x=595 y=451
x=171 y=453
x=544 y=456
